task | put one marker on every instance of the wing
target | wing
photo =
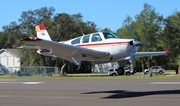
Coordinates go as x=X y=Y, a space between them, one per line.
x=68 y=52
x=142 y=54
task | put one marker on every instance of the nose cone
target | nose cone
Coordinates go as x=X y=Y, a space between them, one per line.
x=136 y=43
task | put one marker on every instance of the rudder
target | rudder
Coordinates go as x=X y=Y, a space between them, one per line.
x=42 y=32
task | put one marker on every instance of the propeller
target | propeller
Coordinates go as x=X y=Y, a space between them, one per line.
x=132 y=34
x=146 y=43
x=135 y=43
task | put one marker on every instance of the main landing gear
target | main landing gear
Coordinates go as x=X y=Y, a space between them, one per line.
x=121 y=71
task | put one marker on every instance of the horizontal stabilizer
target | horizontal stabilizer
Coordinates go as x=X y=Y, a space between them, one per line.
x=29 y=47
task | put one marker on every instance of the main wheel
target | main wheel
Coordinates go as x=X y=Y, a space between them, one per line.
x=121 y=70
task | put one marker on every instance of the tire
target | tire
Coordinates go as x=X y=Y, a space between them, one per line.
x=132 y=71
x=160 y=72
x=146 y=72
x=121 y=70
x=128 y=74
x=113 y=74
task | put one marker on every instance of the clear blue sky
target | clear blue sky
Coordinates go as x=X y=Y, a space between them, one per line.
x=105 y=13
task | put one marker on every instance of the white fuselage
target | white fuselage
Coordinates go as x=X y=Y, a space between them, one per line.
x=117 y=48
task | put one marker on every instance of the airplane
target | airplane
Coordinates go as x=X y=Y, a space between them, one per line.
x=97 y=48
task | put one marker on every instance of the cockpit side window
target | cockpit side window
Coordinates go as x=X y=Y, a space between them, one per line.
x=76 y=41
x=96 y=38
x=108 y=35
x=85 y=39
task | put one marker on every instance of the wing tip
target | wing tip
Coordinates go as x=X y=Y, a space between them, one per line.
x=166 y=51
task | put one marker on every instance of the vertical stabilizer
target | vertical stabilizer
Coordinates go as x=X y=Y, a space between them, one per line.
x=42 y=32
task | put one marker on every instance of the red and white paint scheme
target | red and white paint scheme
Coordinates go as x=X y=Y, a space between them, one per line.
x=98 y=47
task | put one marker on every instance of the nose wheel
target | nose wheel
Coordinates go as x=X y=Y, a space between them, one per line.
x=131 y=68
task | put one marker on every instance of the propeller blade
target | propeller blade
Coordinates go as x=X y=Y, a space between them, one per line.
x=136 y=42
x=146 y=43
x=132 y=34
x=133 y=51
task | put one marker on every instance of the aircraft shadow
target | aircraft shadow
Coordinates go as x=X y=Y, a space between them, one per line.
x=120 y=94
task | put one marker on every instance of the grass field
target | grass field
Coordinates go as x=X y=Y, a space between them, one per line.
x=166 y=75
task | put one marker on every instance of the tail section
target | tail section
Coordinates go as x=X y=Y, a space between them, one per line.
x=42 y=32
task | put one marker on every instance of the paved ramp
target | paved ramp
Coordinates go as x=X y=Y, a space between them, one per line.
x=140 y=92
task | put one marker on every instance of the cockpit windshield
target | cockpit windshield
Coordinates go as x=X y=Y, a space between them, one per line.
x=109 y=35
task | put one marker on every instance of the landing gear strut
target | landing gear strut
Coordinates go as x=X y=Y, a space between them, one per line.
x=63 y=69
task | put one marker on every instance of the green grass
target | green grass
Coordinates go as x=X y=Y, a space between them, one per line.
x=89 y=77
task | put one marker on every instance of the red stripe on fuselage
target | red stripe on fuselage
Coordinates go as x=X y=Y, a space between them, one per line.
x=100 y=44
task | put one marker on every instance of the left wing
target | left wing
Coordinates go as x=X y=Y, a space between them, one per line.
x=142 y=54
x=65 y=51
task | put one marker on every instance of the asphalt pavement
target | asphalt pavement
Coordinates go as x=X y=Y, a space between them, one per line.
x=95 y=92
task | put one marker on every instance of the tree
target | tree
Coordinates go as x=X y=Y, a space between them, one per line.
x=14 y=32
x=66 y=26
x=106 y=30
x=147 y=27
x=3 y=40
x=171 y=36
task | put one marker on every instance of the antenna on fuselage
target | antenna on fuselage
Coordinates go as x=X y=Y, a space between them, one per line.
x=82 y=32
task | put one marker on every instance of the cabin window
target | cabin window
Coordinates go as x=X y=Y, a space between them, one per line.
x=96 y=38
x=76 y=41
x=108 y=35
x=85 y=39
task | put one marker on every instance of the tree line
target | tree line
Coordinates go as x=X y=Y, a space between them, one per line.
x=148 y=26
